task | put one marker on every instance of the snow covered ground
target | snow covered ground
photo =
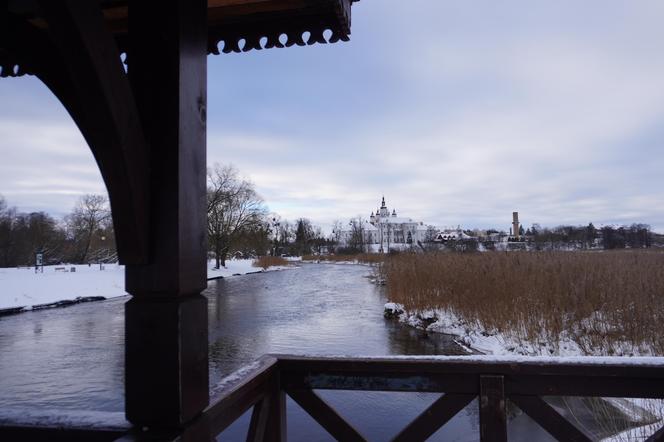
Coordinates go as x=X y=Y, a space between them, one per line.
x=22 y=287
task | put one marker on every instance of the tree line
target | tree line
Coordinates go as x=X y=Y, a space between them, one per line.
x=609 y=237
x=85 y=235
x=240 y=225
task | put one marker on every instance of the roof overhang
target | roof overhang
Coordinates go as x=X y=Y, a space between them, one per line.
x=233 y=25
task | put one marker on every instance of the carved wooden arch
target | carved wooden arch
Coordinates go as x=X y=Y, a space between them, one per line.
x=78 y=60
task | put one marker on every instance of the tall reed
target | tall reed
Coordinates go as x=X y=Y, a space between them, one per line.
x=604 y=301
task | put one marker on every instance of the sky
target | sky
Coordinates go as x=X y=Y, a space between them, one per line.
x=458 y=112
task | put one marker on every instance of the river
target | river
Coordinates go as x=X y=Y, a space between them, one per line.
x=67 y=365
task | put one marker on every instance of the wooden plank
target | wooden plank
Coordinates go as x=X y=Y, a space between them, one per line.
x=258 y=422
x=630 y=367
x=243 y=379
x=450 y=383
x=465 y=383
x=246 y=388
x=227 y=412
x=548 y=418
x=455 y=375
x=325 y=415
x=434 y=417
x=589 y=384
x=493 y=418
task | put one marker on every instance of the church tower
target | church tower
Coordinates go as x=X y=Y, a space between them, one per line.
x=384 y=212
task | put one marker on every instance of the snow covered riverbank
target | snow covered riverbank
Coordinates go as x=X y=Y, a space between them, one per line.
x=475 y=338
x=22 y=287
x=623 y=419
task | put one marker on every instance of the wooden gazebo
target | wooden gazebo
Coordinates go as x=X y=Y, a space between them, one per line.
x=133 y=76
x=144 y=117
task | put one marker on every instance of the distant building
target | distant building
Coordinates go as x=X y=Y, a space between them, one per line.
x=385 y=230
x=451 y=235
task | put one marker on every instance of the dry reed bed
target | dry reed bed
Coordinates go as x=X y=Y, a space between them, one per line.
x=365 y=258
x=270 y=261
x=608 y=302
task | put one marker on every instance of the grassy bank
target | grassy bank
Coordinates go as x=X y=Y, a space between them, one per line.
x=606 y=303
x=365 y=258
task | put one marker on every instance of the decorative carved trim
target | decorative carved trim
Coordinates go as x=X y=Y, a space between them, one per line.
x=11 y=67
x=241 y=39
x=241 y=33
x=264 y=31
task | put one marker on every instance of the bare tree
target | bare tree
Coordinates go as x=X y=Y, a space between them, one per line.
x=8 y=237
x=357 y=240
x=233 y=208
x=91 y=216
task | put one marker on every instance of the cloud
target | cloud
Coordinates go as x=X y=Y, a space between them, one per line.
x=458 y=112
x=46 y=165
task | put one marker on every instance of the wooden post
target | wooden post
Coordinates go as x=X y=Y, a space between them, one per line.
x=276 y=429
x=166 y=322
x=493 y=418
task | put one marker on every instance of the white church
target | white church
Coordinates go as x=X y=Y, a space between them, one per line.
x=384 y=231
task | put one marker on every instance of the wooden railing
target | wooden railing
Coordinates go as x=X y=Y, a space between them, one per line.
x=524 y=381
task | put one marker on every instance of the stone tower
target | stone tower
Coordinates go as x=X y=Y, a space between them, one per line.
x=515 y=224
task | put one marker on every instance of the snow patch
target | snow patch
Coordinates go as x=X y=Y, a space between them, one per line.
x=22 y=287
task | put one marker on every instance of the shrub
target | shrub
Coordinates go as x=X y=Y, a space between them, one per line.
x=270 y=261
x=366 y=258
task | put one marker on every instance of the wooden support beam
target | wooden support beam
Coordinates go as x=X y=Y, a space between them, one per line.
x=77 y=58
x=549 y=419
x=325 y=415
x=166 y=322
x=168 y=75
x=434 y=417
x=493 y=418
x=166 y=357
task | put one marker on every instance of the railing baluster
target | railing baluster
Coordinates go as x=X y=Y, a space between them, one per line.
x=434 y=417
x=325 y=415
x=275 y=430
x=493 y=419
x=548 y=418
x=259 y=421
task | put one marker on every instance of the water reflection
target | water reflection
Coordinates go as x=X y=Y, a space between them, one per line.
x=315 y=310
